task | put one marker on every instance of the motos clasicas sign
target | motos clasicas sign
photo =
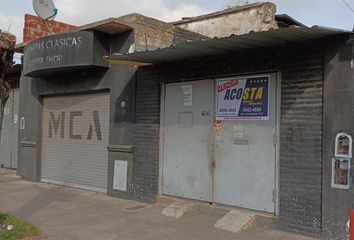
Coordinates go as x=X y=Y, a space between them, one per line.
x=50 y=54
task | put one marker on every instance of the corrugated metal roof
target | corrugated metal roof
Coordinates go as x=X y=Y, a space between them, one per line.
x=285 y=18
x=229 y=44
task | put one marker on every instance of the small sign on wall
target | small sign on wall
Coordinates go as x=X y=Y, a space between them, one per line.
x=120 y=175
x=341 y=173
x=15 y=118
x=187 y=91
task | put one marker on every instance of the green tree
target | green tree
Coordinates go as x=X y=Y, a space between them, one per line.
x=7 y=49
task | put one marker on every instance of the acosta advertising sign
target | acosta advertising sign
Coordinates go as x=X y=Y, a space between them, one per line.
x=243 y=99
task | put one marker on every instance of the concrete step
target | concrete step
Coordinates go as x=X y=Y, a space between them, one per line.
x=8 y=175
x=226 y=218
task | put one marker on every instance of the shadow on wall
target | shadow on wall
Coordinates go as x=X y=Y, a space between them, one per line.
x=70 y=82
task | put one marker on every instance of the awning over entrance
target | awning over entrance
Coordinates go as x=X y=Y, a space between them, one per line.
x=216 y=46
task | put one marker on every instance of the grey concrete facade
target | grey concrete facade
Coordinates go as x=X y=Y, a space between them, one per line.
x=73 y=82
x=72 y=63
x=312 y=74
x=300 y=162
x=337 y=117
x=83 y=82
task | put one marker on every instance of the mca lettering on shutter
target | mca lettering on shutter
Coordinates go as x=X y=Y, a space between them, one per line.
x=57 y=125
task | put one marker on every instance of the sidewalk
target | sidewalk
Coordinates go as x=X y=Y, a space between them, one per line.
x=64 y=214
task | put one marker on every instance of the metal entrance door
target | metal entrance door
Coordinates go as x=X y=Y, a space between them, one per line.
x=231 y=160
x=187 y=134
x=245 y=149
x=9 y=134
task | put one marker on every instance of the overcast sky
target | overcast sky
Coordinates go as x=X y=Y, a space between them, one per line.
x=330 y=13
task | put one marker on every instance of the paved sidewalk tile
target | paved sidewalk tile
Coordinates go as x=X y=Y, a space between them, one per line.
x=64 y=214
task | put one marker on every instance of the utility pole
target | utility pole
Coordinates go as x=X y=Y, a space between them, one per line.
x=7 y=49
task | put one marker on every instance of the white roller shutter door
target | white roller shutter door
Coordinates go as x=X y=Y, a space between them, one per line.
x=75 y=133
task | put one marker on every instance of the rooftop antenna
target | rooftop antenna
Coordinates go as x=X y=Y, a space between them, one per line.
x=45 y=9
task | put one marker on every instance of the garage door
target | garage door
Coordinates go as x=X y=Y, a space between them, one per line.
x=75 y=132
x=227 y=157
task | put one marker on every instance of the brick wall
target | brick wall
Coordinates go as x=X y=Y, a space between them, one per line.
x=260 y=17
x=151 y=33
x=301 y=141
x=34 y=27
x=301 y=123
x=146 y=135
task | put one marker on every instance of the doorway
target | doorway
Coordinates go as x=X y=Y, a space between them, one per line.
x=220 y=141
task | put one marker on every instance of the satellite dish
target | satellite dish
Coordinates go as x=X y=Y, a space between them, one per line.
x=45 y=9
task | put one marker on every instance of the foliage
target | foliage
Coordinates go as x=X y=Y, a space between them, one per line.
x=7 y=49
x=21 y=228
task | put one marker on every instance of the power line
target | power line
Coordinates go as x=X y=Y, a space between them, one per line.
x=347 y=4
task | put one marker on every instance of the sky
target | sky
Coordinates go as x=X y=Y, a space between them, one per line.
x=329 y=13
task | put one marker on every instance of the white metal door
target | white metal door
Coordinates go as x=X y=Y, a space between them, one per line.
x=232 y=161
x=9 y=134
x=187 y=139
x=245 y=153
x=75 y=133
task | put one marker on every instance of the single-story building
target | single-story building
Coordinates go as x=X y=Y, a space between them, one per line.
x=258 y=117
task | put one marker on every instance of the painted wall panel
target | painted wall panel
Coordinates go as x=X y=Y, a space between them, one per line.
x=9 y=139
